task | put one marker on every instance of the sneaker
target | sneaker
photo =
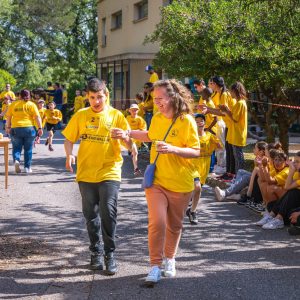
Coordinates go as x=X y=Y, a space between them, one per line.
x=274 y=224
x=137 y=172
x=110 y=264
x=260 y=207
x=192 y=215
x=47 y=142
x=220 y=194
x=96 y=262
x=236 y=197
x=17 y=167
x=28 y=170
x=50 y=148
x=294 y=230
x=244 y=199
x=264 y=220
x=153 y=276
x=169 y=270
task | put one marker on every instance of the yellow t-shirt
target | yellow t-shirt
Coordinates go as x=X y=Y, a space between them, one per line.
x=226 y=99
x=22 y=113
x=99 y=156
x=280 y=176
x=48 y=97
x=215 y=98
x=153 y=78
x=237 y=129
x=4 y=108
x=208 y=144
x=137 y=123
x=149 y=104
x=209 y=118
x=65 y=97
x=50 y=114
x=141 y=112
x=42 y=115
x=78 y=103
x=174 y=173
x=9 y=93
x=296 y=178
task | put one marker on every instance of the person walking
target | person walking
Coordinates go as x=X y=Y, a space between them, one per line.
x=20 y=124
x=98 y=170
x=175 y=141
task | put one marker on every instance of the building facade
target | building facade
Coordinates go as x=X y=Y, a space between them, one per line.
x=122 y=54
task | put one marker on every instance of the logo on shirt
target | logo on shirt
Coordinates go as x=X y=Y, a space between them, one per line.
x=174 y=132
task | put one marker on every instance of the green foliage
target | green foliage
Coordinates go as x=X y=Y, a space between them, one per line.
x=254 y=41
x=52 y=40
x=5 y=77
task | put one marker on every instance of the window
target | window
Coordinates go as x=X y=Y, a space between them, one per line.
x=141 y=10
x=103 y=36
x=118 y=80
x=116 y=20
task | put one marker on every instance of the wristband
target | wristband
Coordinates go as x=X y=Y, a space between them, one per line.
x=128 y=133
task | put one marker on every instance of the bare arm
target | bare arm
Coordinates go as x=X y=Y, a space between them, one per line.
x=164 y=148
x=70 y=158
x=8 y=124
x=290 y=183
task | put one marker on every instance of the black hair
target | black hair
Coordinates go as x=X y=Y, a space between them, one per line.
x=219 y=81
x=199 y=81
x=276 y=146
x=49 y=83
x=95 y=85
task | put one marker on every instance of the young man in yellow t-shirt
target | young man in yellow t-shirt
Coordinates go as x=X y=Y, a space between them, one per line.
x=78 y=102
x=136 y=123
x=99 y=163
x=53 y=117
x=153 y=75
x=7 y=92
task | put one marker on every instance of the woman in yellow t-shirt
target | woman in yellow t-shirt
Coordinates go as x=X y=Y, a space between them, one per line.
x=237 y=123
x=223 y=97
x=283 y=211
x=20 y=124
x=173 y=184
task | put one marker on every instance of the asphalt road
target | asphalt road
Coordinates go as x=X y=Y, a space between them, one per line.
x=44 y=245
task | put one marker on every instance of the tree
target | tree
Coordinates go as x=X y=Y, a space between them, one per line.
x=56 y=38
x=248 y=40
x=5 y=78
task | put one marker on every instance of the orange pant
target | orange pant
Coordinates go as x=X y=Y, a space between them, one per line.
x=166 y=210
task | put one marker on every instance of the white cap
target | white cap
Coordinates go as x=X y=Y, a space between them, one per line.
x=134 y=106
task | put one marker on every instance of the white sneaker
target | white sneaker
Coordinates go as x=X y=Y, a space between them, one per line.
x=17 y=167
x=154 y=275
x=235 y=197
x=220 y=194
x=274 y=224
x=264 y=220
x=28 y=170
x=170 y=270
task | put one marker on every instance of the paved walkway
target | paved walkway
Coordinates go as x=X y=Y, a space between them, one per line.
x=44 y=253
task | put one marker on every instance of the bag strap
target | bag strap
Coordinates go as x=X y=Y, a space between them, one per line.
x=157 y=155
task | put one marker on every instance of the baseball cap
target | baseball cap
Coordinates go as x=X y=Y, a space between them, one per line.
x=134 y=106
x=41 y=101
x=148 y=68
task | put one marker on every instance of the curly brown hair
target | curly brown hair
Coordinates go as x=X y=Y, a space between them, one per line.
x=181 y=98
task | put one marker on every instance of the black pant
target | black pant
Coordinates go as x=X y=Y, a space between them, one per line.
x=99 y=207
x=230 y=161
x=256 y=193
x=287 y=204
x=64 y=113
